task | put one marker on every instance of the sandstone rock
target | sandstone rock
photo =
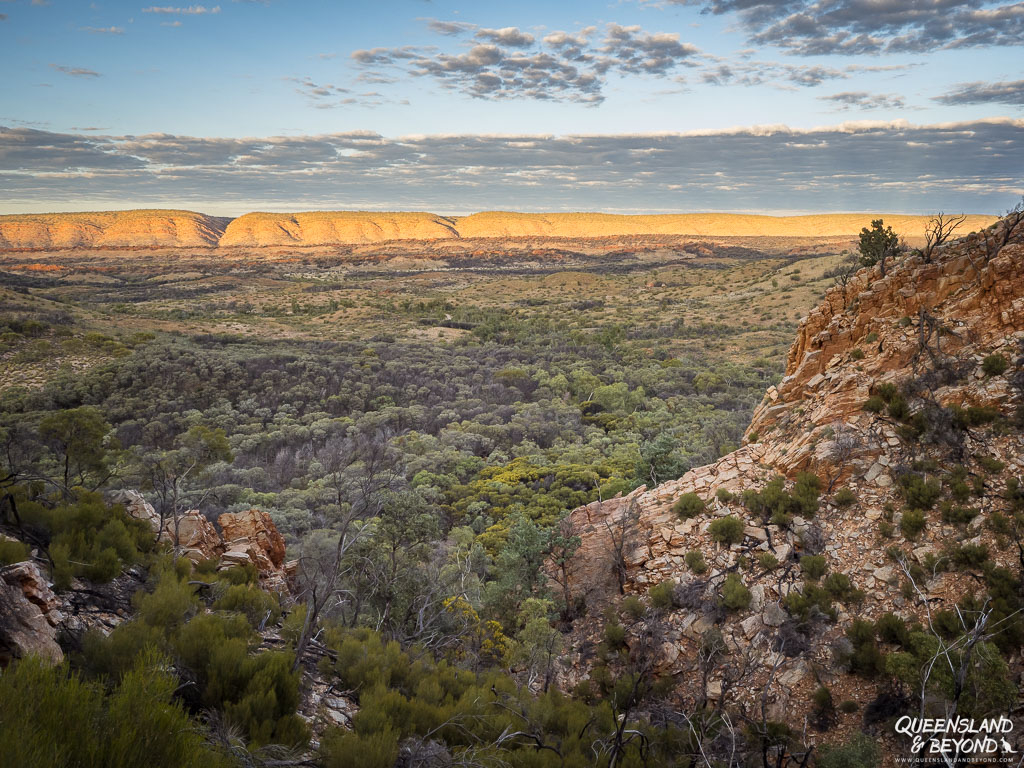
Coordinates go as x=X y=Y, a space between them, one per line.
x=774 y=615
x=25 y=626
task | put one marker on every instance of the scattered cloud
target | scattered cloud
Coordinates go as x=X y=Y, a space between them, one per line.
x=104 y=30
x=864 y=100
x=853 y=27
x=510 y=63
x=175 y=23
x=188 y=10
x=757 y=73
x=862 y=165
x=1011 y=93
x=76 y=71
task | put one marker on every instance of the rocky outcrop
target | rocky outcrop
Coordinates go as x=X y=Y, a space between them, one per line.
x=248 y=537
x=334 y=228
x=28 y=615
x=923 y=329
x=113 y=229
x=252 y=537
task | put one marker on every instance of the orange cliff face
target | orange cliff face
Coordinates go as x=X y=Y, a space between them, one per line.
x=178 y=229
x=334 y=228
x=505 y=224
x=111 y=229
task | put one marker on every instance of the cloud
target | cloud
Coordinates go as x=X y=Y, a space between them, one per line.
x=189 y=10
x=865 y=100
x=510 y=36
x=853 y=27
x=76 y=71
x=866 y=166
x=986 y=93
x=509 y=63
x=757 y=73
x=449 y=28
x=104 y=30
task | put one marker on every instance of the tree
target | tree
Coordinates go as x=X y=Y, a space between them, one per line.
x=565 y=540
x=938 y=230
x=172 y=475
x=878 y=245
x=76 y=436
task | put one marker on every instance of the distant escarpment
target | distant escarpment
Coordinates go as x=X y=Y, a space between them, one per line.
x=144 y=229
x=575 y=225
x=111 y=229
x=334 y=228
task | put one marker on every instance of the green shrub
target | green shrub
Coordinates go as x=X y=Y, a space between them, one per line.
x=614 y=635
x=994 y=365
x=839 y=586
x=844 y=497
x=857 y=354
x=886 y=529
x=768 y=561
x=813 y=566
x=695 y=562
x=52 y=719
x=874 y=404
x=871 y=337
x=991 y=465
x=970 y=555
x=861 y=751
x=912 y=523
x=661 y=595
x=633 y=607
x=918 y=492
x=689 y=505
x=12 y=551
x=727 y=530
x=724 y=496
x=890 y=628
x=735 y=595
x=972 y=416
x=956 y=514
x=848 y=707
x=866 y=659
x=259 y=607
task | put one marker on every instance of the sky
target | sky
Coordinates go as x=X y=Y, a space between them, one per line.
x=632 y=106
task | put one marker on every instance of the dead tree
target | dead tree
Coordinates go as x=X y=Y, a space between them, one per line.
x=938 y=230
x=622 y=533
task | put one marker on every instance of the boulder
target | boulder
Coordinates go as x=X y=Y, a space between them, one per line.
x=27 y=615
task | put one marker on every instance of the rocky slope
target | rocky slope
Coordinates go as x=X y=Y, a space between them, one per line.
x=334 y=227
x=180 y=229
x=914 y=342
x=114 y=229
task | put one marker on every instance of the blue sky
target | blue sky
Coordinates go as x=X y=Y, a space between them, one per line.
x=247 y=104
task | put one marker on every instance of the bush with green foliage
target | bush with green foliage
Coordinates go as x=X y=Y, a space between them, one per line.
x=12 y=551
x=844 y=497
x=53 y=718
x=727 y=530
x=695 y=561
x=259 y=606
x=661 y=595
x=861 y=751
x=912 y=523
x=994 y=365
x=813 y=566
x=735 y=595
x=918 y=492
x=776 y=505
x=89 y=538
x=689 y=505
